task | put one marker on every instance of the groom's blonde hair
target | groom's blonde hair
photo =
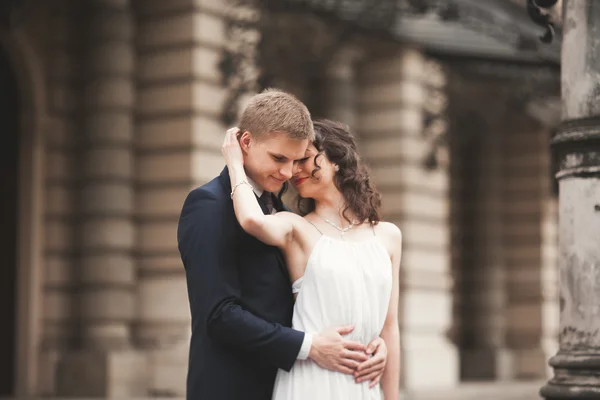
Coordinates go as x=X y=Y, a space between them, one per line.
x=274 y=110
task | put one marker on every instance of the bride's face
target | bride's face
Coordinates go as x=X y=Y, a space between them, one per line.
x=313 y=173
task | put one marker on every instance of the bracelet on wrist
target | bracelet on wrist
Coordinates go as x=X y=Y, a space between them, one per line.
x=244 y=182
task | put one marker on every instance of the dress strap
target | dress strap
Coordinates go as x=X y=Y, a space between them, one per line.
x=315 y=227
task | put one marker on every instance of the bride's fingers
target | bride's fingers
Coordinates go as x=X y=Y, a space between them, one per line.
x=370 y=365
x=369 y=377
x=232 y=132
x=231 y=135
x=374 y=382
x=362 y=371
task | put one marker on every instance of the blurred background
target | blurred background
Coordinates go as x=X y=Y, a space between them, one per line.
x=113 y=110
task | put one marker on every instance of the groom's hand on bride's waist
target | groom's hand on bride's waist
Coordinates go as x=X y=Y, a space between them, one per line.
x=331 y=351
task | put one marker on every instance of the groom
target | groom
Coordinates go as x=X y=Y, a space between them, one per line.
x=239 y=289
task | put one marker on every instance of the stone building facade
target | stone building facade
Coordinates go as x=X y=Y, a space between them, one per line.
x=112 y=114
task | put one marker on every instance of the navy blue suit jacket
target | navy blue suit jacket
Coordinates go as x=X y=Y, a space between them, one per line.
x=240 y=298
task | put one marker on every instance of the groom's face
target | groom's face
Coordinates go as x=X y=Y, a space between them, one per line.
x=269 y=160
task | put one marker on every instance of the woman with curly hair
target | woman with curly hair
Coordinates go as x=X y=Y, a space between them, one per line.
x=342 y=259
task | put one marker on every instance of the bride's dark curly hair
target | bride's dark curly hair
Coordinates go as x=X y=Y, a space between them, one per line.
x=352 y=180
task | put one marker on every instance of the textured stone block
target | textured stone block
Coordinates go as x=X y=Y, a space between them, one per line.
x=101 y=374
x=411 y=204
x=108 y=233
x=108 y=305
x=109 y=92
x=107 y=269
x=394 y=93
x=163 y=299
x=166 y=168
x=109 y=198
x=161 y=202
x=392 y=120
x=400 y=148
x=206 y=165
x=58 y=306
x=60 y=165
x=58 y=235
x=158 y=237
x=429 y=361
x=60 y=200
x=411 y=175
x=406 y=65
x=426 y=310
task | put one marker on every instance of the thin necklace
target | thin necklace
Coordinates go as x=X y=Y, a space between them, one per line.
x=339 y=228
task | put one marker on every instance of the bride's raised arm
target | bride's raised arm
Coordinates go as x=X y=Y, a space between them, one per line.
x=274 y=230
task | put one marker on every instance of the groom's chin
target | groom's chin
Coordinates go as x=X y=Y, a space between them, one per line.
x=273 y=186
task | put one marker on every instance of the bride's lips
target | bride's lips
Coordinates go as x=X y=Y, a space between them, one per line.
x=299 y=181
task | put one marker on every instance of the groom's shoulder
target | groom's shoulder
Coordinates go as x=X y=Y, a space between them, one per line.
x=211 y=194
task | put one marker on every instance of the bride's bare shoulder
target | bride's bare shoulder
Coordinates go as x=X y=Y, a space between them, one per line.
x=389 y=231
x=391 y=236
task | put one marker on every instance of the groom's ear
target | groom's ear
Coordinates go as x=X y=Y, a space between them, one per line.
x=245 y=140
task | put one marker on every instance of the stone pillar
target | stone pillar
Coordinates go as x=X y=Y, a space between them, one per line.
x=526 y=192
x=339 y=92
x=178 y=147
x=104 y=364
x=60 y=213
x=577 y=143
x=392 y=93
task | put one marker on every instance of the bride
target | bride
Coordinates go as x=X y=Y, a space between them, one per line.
x=343 y=261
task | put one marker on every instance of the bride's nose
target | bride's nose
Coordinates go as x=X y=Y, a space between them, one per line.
x=296 y=169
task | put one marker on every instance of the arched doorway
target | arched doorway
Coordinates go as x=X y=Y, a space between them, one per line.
x=9 y=217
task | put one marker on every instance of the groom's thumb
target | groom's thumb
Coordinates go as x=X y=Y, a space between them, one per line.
x=344 y=330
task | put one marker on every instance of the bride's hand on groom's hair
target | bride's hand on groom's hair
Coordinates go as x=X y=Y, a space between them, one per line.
x=331 y=351
x=231 y=148
x=372 y=369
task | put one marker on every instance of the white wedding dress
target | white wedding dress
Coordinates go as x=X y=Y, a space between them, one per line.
x=345 y=283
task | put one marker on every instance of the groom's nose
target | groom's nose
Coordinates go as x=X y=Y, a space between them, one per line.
x=287 y=170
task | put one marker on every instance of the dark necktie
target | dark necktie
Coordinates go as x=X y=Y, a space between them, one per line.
x=267 y=200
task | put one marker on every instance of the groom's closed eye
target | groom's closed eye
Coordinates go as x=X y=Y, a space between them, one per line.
x=280 y=159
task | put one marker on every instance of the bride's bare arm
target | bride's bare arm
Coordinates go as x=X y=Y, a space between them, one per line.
x=390 y=380
x=274 y=230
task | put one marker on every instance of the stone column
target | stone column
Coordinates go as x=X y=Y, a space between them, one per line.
x=339 y=92
x=391 y=97
x=577 y=143
x=104 y=364
x=526 y=191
